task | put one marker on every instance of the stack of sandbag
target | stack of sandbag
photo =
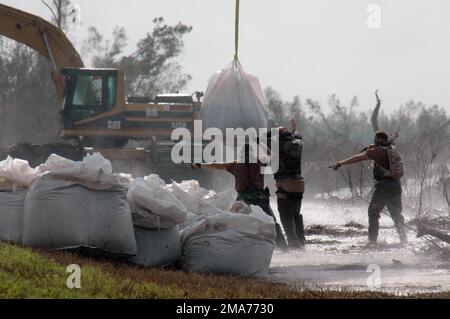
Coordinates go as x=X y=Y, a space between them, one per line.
x=79 y=205
x=234 y=99
x=201 y=202
x=15 y=177
x=240 y=243
x=156 y=216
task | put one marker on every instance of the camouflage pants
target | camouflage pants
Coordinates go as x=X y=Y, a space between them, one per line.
x=262 y=199
x=289 y=209
x=388 y=193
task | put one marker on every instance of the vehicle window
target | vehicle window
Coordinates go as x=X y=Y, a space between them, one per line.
x=111 y=91
x=88 y=91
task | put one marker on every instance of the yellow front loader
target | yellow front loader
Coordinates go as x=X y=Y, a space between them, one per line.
x=96 y=114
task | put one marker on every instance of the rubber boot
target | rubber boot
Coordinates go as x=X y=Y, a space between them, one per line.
x=280 y=240
x=402 y=234
x=300 y=231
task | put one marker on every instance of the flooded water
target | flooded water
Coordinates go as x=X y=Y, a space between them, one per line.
x=337 y=256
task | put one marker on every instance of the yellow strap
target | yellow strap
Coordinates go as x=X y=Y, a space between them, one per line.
x=236 y=34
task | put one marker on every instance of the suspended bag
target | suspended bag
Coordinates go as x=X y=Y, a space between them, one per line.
x=234 y=99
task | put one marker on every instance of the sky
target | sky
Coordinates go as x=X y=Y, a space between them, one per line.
x=310 y=48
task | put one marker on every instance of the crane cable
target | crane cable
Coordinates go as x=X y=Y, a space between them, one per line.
x=236 y=51
x=236 y=32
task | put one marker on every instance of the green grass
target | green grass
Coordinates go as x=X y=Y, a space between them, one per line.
x=26 y=273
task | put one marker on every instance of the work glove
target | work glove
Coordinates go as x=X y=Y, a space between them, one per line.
x=336 y=166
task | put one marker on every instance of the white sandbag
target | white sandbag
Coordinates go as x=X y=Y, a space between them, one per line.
x=189 y=193
x=190 y=220
x=153 y=206
x=223 y=200
x=15 y=177
x=157 y=248
x=62 y=214
x=229 y=252
x=230 y=243
x=201 y=201
x=18 y=172
x=11 y=216
x=234 y=99
x=94 y=172
x=146 y=219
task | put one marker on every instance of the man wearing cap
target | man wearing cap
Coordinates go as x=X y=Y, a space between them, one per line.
x=388 y=189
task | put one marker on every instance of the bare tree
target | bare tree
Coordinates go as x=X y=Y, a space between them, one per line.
x=61 y=11
x=375 y=113
x=428 y=148
x=444 y=183
x=339 y=126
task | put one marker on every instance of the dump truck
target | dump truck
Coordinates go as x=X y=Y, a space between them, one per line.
x=96 y=115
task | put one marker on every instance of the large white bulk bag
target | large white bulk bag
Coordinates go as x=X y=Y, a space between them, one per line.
x=62 y=214
x=153 y=206
x=191 y=219
x=157 y=247
x=192 y=195
x=11 y=215
x=230 y=243
x=201 y=202
x=15 y=177
x=94 y=172
x=17 y=172
x=234 y=99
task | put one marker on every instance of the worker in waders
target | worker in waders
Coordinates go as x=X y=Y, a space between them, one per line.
x=388 y=169
x=250 y=186
x=290 y=185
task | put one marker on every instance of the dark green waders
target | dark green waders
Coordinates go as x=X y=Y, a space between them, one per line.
x=289 y=206
x=388 y=193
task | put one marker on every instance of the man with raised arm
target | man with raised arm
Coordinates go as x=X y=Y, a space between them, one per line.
x=250 y=185
x=387 y=172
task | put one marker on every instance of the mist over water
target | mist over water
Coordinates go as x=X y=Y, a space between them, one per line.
x=337 y=257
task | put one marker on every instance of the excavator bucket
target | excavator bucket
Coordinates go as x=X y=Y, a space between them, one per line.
x=40 y=35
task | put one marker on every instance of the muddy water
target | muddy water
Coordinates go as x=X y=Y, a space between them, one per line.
x=337 y=256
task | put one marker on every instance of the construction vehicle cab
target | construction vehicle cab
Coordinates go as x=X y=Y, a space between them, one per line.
x=96 y=111
x=88 y=92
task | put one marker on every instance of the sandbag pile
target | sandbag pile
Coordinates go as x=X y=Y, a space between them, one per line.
x=79 y=205
x=156 y=216
x=15 y=178
x=64 y=204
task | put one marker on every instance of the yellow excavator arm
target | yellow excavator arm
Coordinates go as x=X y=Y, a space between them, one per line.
x=42 y=36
